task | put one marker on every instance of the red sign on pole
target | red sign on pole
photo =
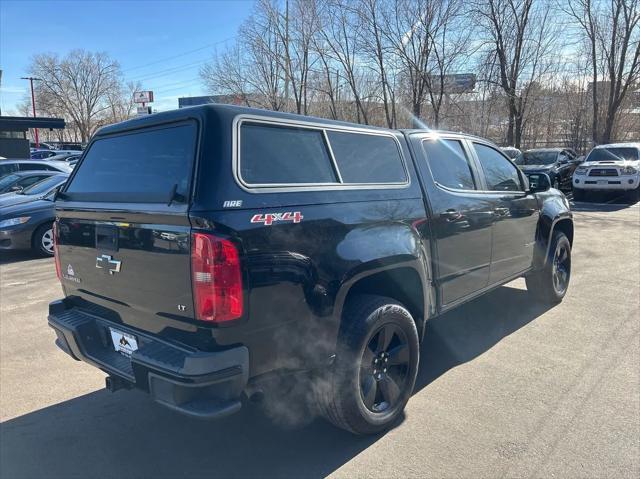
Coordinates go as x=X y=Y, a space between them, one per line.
x=143 y=97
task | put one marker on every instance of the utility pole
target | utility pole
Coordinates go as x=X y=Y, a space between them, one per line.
x=33 y=103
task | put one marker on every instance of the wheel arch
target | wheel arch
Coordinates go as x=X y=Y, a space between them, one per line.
x=404 y=283
x=546 y=229
x=40 y=223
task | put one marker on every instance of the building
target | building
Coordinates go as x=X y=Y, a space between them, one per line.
x=13 y=133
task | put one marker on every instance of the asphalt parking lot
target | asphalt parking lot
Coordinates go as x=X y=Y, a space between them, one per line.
x=507 y=388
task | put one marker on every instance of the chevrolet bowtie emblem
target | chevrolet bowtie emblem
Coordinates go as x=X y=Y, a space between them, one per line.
x=108 y=264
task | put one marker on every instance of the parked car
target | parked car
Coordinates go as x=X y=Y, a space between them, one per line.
x=511 y=151
x=11 y=166
x=41 y=146
x=72 y=161
x=614 y=167
x=558 y=163
x=52 y=155
x=205 y=250
x=22 y=179
x=26 y=217
x=66 y=157
x=42 y=154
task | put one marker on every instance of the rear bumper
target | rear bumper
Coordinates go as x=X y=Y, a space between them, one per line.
x=611 y=183
x=206 y=385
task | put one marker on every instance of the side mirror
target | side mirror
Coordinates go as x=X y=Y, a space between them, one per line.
x=539 y=182
x=16 y=188
x=564 y=160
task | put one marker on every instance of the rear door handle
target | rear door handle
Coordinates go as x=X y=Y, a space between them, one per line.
x=501 y=211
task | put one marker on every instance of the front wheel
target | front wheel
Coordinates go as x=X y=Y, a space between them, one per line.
x=43 y=240
x=375 y=368
x=550 y=284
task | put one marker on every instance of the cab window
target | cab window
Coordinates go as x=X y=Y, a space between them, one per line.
x=500 y=173
x=449 y=164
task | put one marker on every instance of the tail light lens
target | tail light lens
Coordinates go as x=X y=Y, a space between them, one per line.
x=56 y=255
x=217 y=279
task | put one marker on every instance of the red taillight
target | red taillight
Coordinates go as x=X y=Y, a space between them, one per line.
x=217 y=279
x=56 y=255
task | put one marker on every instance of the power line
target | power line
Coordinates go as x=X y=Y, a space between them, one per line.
x=167 y=71
x=179 y=55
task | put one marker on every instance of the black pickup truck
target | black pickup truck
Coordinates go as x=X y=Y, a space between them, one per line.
x=205 y=250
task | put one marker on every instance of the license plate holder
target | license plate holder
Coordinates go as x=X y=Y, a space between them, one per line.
x=123 y=343
x=603 y=182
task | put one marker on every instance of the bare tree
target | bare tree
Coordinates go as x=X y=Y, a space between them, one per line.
x=295 y=25
x=79 y=85
x=250 y=68
x=520 y=35
x=341 y=34
x=121 y=104
x=377 y=46
x=610 y=30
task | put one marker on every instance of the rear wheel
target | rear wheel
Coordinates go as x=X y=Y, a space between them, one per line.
x=550 y=284
x=375 y=368
x=42 y=242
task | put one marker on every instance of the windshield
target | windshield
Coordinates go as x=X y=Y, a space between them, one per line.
x=613 y=154
x=536 y=158
x=44 y=186
x=8 y=180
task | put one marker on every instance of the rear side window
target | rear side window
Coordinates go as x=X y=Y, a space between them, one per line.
x=35 y=167
x=8 y=168
x=449 y=164
x=363 y=158
x=284 y=155
x=500 y=173
x=148 y=166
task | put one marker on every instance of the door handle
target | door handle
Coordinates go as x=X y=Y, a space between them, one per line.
x=452 y=215
x=501 y=211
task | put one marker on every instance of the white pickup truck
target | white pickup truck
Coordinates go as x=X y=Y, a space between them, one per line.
x=614 y=167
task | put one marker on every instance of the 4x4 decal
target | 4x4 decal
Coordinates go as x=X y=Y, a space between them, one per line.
x=270 y=218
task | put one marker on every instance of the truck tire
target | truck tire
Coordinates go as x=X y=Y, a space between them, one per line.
x=550 y=283
x=42 y=241
x=375 y=369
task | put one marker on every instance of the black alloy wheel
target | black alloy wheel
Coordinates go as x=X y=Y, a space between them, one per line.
x=561 y=268
x=384 y=368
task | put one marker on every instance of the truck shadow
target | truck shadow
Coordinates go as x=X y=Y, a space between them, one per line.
x=465 y=333
x=125 y=435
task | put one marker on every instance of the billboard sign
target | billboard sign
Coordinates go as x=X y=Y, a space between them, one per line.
x=457 y=83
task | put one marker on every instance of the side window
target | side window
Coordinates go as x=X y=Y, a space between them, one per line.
x=284 y=155
x=32 y=167
x=500 y=173
x=363 y=158
x=449 y=164
x=30 y=180
x=6 y=169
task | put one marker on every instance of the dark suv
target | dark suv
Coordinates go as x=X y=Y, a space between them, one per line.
x=206 y=251
x=558 y=163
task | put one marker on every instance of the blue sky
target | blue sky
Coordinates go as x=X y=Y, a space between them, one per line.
x=161 y=43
